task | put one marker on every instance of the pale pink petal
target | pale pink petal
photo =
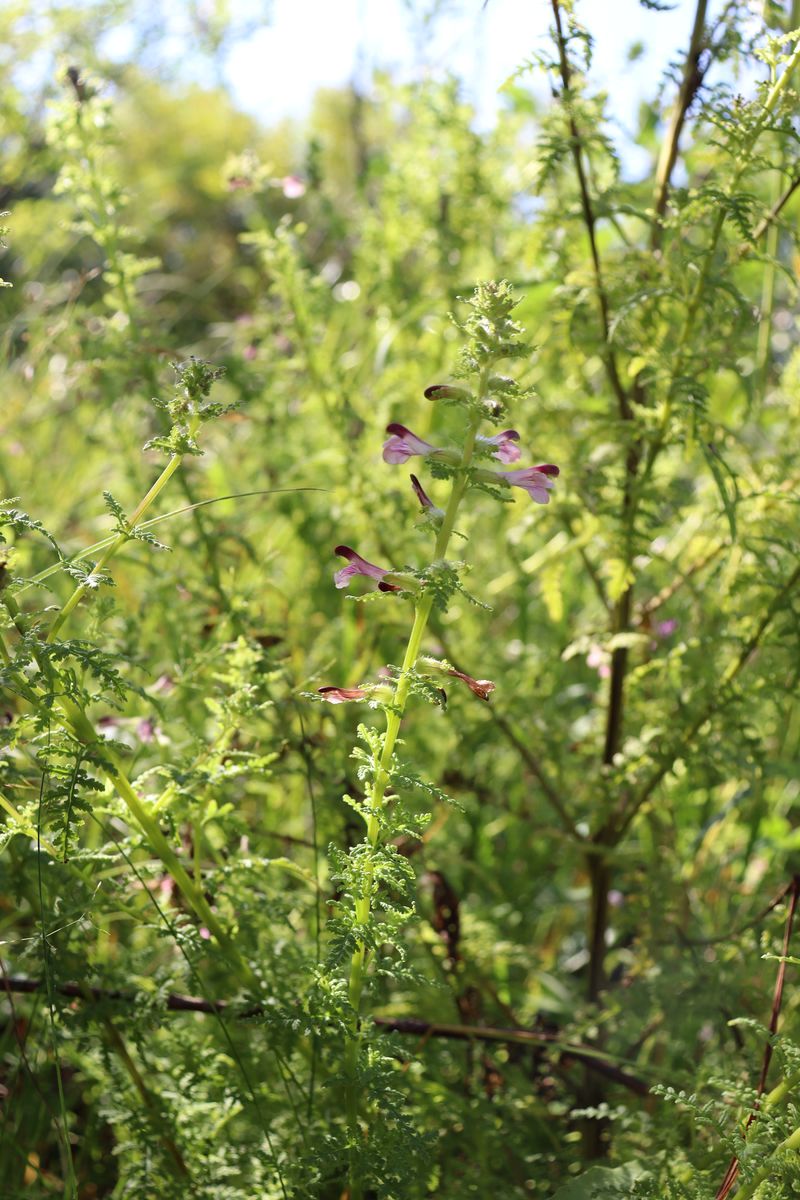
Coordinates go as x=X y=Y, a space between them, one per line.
x=536 y=481
x=356 y=566
x=506 y=450
x=293 y=187
x=403 y=444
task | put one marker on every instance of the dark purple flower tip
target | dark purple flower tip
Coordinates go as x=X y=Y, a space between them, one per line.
x=337 y=695
x=424 y=499
x=547 y=469
x=446 y=391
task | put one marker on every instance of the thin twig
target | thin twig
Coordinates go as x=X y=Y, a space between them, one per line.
x=655 y=602
x=412 y=1026
x=772 y=215
x=589 y=219
x=693 y=75
x=536 y=769
x=626 y=816
x=731 y=934
x=732 y=1173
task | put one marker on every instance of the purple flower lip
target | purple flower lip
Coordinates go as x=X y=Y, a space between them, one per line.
x=536 y=481
x=404 y=444
x=506 y=450
x=359 y=566
x=338 y=695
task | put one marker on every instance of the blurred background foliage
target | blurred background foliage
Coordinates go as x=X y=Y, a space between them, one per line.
x=615 y=901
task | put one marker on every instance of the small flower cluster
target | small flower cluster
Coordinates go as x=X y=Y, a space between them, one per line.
x=403 y=444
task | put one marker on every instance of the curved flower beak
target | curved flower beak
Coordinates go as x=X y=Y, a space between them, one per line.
x=403 y=444
x=359 y=566
x=482 y=688
x=425 y=500
x=536 y=481
x=506 y=451
x=337 y=695
x=446 y=391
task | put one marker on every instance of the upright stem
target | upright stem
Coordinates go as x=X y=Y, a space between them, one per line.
x=118 y=542
x=589 y=220
x=363 y=903
x=690 y=84
x=635 y=481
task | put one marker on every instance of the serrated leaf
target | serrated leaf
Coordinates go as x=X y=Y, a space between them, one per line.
x=602 y=1183
x=719 y=468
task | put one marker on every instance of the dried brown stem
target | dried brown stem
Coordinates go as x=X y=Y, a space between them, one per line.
x=535 y=767
x=626 y=815
x=589 y=219
x=655 y=602
x=691 y=82
x=732 y=1173
x=412 y=1026
x=773 y=214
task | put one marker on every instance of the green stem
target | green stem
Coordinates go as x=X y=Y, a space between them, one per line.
x=152 y=1106
x=781 y=1090
x=748 y=1190
x=147 y=822
x=394 y=718
x=117 y=543
x=693 y=306
x=142 y=814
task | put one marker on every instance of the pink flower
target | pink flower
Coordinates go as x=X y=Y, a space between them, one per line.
x=480 y=687
x=597 y=659
x=360 y=566
x=536 y=481
x=506 y=450
x=665 y=629
x=293 y=187
x=403 y=444
x=337 y=695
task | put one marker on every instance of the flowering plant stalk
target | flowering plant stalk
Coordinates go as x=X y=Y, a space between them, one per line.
x=374 y=874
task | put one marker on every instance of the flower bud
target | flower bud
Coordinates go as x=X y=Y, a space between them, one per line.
x=447 y=391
